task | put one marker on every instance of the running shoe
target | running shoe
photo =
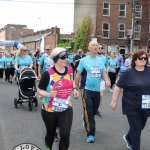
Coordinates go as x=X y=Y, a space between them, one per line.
x=90 y=139
x=111 y=90
x=98 y=114
x=129 y=146
x=56 y=137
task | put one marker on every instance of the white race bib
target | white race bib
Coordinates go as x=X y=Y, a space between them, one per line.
x=59 y=104
x=145 y=102
x=8 y=63
x=95 y=72
x=111 y=69
x=1 y=66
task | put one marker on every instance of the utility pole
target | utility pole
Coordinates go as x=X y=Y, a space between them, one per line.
x=148 y=33
x=132 y=26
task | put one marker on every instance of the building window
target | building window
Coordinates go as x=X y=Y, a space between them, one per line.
x=121 y=31
x=135 y=48
x=137 y=32
x=106 y=9
x=122 y=10
x=105 y=30
x=144 y=48
x=138 y=11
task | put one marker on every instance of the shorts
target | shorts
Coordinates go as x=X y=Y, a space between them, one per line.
x=102 y=85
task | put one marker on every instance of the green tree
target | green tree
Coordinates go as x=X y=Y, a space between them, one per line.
x=82 y=34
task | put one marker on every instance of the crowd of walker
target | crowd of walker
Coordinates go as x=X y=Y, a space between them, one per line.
x=62 y=74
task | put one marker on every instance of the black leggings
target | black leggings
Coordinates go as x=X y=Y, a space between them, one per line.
x=52 y=121
x=137 y=124
x=1 y=73
x=12 y=71
x=7 y=73
x=112 y=77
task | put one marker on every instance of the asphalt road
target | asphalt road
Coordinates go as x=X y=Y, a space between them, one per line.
x=23 y=126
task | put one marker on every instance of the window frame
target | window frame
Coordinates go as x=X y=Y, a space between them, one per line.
x=106 y=9
x=122 y=10
x=138 y=12
x=136 y=32
x=122 y=30
x=106 y=30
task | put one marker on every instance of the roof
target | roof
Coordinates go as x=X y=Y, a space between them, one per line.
x=33 y=38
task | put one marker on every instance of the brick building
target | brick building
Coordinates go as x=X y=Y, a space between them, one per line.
x=13 y=32
x=114 y=19
x=33 y=40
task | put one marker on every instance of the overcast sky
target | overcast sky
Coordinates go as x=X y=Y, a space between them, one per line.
x=58 y=13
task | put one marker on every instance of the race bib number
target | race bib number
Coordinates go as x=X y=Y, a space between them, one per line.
x=111 y=69
x=23 y=67
x=59 y=104
x=8 y=63
x=95 y=72
x=145 y=102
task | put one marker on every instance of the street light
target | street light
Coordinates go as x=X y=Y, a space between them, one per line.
x=40 y=23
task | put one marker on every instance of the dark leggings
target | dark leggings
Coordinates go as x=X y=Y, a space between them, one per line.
x=1 y=73
x=73 y=68
x=12 y=71
x=112 y=77
x=52 y=121
x=137 y=124
x=7 y=73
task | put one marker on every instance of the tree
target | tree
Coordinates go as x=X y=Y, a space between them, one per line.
x=82 y=34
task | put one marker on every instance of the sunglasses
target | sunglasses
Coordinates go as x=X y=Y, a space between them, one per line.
x=47 y=49
x=101 y=48
x=24 y=50
x=63 y=55
x=141 y=58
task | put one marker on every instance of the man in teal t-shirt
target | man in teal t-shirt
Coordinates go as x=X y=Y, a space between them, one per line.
x=91 y=97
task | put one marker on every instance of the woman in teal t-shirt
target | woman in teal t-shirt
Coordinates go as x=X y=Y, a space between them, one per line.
x=2 y=64
x=8 y=61
x=113 y=64
x=22 y=60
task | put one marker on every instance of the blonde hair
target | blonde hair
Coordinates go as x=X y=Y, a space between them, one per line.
x=19 y=51
x=56 y=51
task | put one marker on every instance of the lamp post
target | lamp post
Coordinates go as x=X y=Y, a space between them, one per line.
x=40 y=22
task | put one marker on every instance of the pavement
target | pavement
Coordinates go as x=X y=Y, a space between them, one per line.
x=23 y=126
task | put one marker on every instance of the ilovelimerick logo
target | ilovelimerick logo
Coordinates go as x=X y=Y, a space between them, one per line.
x=26 y=146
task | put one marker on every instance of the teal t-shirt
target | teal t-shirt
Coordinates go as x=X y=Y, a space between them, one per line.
x=12 y=63
x=8 y=62
x=2 y=62
x=37 y=60
x=46 y=62
x=112 y=64
x=23 y=61
x=94 y=68
x=71 y=58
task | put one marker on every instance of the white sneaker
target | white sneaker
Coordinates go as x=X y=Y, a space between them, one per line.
x=111 y=90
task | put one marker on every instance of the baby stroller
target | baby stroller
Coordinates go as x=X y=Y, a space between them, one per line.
x=27 y=88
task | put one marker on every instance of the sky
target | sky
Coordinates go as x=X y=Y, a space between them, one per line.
x=51 y=13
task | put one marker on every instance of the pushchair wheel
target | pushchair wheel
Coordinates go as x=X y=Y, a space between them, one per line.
x=30 y=105
x=15 y=102
x=35 y=101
